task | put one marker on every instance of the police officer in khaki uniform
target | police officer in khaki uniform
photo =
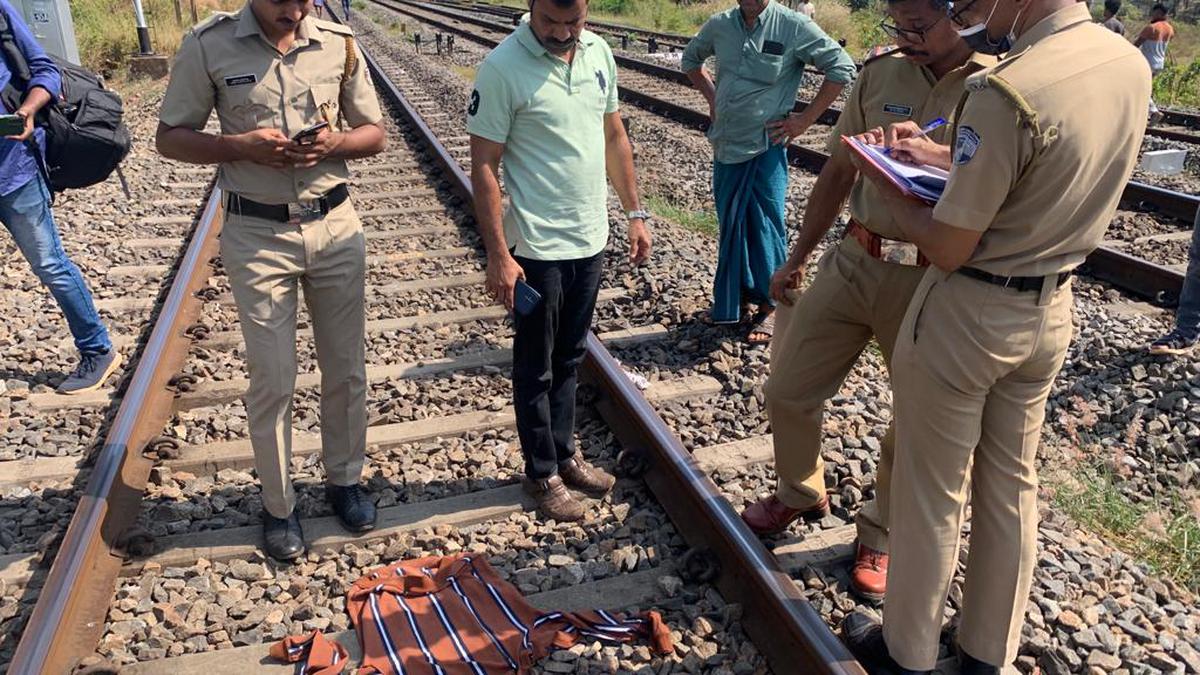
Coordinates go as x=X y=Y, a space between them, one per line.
x=865 y=283
x=273 y=73
x=1033 y=186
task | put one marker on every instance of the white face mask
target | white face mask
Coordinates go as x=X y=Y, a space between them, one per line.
x=977 y=38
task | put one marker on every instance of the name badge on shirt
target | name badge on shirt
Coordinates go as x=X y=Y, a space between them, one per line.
x=772 y=47
x=235 y=80
x=897 y=109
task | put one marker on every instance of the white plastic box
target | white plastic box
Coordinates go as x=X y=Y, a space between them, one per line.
x=1166 y=162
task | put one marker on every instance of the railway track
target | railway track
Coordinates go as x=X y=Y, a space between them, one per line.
x=1176 y=125
x=651 y=87
x=145 y=527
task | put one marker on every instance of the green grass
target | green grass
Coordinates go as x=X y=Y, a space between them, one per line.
x=1166 y=538
x=701 y=221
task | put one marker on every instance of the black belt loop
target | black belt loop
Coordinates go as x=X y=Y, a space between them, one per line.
x=279 y=212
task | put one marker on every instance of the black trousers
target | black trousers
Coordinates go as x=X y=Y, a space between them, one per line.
x=547 y=350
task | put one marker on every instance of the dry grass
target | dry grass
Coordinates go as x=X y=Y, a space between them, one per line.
x=105 y=29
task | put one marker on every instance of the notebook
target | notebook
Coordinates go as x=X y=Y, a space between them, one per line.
x=923 y=182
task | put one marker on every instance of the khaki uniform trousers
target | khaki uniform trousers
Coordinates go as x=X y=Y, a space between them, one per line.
x=853 y=297
x=267 y=262
x=973 y=368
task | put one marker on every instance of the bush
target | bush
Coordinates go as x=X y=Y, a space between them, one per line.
x=1178 y=85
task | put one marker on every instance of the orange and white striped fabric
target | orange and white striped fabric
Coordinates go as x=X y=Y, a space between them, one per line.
x=454 y=615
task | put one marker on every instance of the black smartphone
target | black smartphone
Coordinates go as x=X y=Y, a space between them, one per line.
x=11 y=125
x=525 y=299
x=306 y=135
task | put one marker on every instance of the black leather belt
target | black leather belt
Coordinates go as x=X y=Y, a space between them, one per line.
x=1016 y=283
x=289 y=213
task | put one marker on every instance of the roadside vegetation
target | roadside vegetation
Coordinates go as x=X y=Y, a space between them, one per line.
x=107 y=34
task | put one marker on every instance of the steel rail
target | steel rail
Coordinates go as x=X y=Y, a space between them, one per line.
x=1135 y=275
x=784 y=626
x=70 y=612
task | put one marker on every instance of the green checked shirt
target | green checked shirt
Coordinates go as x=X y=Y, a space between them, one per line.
x=760 y=70
x=550 y=117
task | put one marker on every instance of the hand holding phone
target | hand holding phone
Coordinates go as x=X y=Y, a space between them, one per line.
x=12 y=125
x=307 y=135
x=525 y=298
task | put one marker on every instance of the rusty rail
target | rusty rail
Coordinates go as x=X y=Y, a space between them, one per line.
x=70 y=612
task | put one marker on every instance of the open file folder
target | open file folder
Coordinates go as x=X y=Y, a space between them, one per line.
x=923 y=182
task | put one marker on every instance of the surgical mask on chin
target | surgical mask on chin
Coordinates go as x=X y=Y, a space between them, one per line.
x=977 y=38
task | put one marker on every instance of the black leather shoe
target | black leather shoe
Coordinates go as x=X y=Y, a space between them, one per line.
x=969 y=665
x=863 y=635
x=282 y=537
x=353 y=507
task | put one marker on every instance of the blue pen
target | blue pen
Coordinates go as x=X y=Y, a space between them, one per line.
x=925 y=130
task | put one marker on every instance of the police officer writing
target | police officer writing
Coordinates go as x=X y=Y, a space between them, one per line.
x=280 y=81
x=1033 y=186
x=864 y=284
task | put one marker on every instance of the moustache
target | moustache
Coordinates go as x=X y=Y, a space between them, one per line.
x=558 y=46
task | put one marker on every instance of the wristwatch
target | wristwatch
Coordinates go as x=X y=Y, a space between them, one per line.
x=637 y=213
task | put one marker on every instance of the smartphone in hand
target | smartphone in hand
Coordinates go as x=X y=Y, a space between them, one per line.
x=307 y=135
x=525 y=299
x=11 y=125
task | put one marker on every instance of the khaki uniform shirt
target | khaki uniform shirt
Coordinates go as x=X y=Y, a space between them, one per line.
x=1043 y=184
x=893 y=89
x=226 y=63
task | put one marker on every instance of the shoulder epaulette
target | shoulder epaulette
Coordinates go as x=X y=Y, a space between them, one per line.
x=879 y=51
x=340 y=29
x=990 y=79
x=214 y=20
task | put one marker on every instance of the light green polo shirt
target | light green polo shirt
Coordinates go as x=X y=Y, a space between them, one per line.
x=759 y=72
x=550 y=117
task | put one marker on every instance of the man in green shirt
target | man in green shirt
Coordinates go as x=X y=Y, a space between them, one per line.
x=545 y=104
x=761 y=49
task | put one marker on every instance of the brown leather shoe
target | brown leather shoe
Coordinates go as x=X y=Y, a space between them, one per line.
x=554 y=501
x=868 y=577
x=577 y=473
x=771 y=516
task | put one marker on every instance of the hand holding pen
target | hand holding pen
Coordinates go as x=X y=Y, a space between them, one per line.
x=909 y=143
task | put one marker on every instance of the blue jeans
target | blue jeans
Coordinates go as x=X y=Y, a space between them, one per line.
x=26 y=214
x=1187 y=317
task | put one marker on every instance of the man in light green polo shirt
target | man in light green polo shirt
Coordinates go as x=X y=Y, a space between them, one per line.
x=545 y=105
x=762 y=48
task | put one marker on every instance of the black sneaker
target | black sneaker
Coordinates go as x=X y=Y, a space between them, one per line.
x=863 y=635
x=353 y=507
x=92 y=371
x=1175 y=342
x=282 y=537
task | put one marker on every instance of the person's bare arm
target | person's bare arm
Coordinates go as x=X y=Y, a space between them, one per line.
x=703 y=83
x=618 y=156
x=265 y=146
x=824 y=204
x=35 y=100
x=359 y=142
x=502 y=269
x=784 y=130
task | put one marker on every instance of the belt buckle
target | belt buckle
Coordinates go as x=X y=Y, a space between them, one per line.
x=301 y=212
x=898 y=252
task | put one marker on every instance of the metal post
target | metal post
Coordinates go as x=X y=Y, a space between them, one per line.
x=143 y=30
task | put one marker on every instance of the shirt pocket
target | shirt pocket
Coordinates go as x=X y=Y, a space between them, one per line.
x=255 y=107
x=324 y=103
x=762 y=68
